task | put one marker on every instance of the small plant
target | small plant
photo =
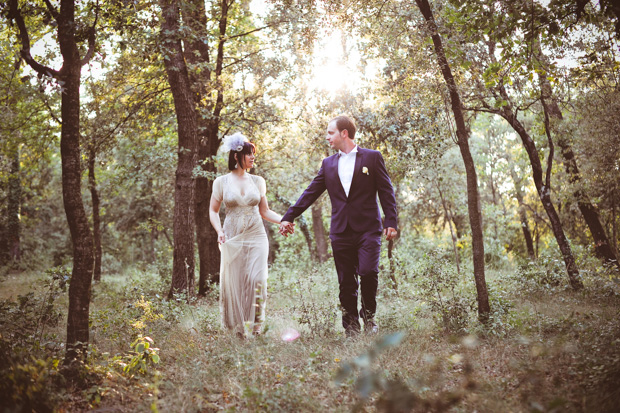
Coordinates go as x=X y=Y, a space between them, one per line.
x=148 y=314
x=546 y=272
x=439 y=281
x=319 y=317
x=143 y=357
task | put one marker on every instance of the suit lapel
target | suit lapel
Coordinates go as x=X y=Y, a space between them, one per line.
x=333 y=174
x=357 y=169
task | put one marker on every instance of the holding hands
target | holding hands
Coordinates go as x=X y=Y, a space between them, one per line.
x=287 y=228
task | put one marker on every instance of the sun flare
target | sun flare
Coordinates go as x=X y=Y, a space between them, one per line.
x=334 y=69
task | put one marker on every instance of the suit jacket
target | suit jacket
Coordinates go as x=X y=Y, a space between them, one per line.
x=360 y=209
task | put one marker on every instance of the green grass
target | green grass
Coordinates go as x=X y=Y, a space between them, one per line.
x=551 y=348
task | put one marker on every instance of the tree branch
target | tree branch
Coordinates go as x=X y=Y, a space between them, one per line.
x=91 y=38
x=15 y=13
x=51 y=9
x=257 y=29
x=551 y=146
x=241 y=59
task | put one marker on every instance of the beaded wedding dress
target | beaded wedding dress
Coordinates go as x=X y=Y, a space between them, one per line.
x=243 y=270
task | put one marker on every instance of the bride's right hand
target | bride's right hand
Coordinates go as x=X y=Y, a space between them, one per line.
x=221 y=238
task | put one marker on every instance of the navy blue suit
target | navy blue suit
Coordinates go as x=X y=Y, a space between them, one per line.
x=355 y=230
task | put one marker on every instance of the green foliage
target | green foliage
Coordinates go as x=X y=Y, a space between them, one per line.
x=502 y=320
x=439 y=282
x=143 y=358
x=25 y=321
x=29 y=352
x=319 y=317
x=31 y=385
x=546 y=272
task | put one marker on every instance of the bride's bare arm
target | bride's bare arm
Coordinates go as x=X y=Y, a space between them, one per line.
x=267 y=213
x=214 y=217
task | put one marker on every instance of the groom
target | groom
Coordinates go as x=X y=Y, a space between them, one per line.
x=353 y=178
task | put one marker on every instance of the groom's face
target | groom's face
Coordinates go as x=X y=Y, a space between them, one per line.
x=334 y=136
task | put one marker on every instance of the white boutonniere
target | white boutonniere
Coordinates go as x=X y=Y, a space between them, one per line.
x=365 y=170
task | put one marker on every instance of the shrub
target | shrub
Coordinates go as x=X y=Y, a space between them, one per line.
x=439 y=280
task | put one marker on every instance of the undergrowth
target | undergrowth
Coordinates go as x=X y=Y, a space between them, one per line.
x=544 y=348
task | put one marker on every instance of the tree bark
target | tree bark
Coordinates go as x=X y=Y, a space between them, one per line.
x=614 y=226
x=205 y=81
x=81 y=237
x=92 y=184
x=525 y=227
x=13 y=207
x=184 y=202
x=544 y=191
x=273 y=242
x=463 y=132
x=452 y=234
x=602 y=246
x=303 y=226
x=319 y=233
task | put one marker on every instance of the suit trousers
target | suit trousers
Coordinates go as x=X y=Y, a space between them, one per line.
x=357 y=253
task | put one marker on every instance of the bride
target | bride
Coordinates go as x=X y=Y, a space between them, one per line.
x=243 y=241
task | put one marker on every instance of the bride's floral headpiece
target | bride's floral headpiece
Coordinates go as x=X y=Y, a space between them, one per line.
x=234 y=142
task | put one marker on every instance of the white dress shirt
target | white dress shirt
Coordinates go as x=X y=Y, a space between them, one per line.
x=346 y=165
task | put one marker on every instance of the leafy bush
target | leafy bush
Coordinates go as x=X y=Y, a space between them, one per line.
x=143 y=357
x=439 y=280
x=27 y=382
x=31 y=385
x=318 y=316
x=546 y=272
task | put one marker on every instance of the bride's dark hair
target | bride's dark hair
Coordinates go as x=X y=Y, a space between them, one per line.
x=248 y=148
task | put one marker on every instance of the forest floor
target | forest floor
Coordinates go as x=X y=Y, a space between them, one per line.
x=546 y=348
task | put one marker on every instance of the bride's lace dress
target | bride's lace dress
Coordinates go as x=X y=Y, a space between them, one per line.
x=243 y=271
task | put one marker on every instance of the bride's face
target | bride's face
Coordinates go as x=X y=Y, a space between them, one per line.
x=248 y=161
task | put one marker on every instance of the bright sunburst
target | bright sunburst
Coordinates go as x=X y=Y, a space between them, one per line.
x=332 y=70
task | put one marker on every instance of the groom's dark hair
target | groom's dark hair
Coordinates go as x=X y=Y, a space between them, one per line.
x=344 y=122
x=248 y=148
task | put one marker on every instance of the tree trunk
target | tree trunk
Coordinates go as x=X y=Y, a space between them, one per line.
x=81 y=236
x=544 y=192
x=92 y=184
x=197 y=54
x=13 y=207
x=525 y=227
x=184 y=202
x=303 y=226
x=273 y=242
x=527 y=234
x=452 y=234
x=319 y=233
x=463 y=132
x=69 y=77
x=602 y=246
x=614 y=226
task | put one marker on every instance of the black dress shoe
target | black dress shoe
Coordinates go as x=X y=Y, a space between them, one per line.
x=351 y=331
x=370 y=327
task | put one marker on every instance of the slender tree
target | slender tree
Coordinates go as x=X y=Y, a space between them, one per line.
x=69 y=78
x=463 y=133
x=320 y=237
x=553 y=123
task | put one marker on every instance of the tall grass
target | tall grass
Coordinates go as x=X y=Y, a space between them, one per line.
x=547 y=348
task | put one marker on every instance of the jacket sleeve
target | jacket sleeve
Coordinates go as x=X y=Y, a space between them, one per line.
x=314 y=190
x=386 y=194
